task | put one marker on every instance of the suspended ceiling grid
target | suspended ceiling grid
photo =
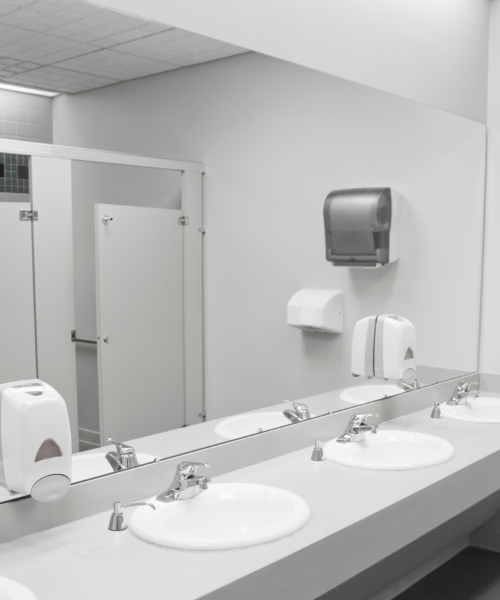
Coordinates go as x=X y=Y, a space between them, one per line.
x=70 y=46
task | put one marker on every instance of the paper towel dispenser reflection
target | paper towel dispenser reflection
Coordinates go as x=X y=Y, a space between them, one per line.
x=362 y=227
x=321 y=311
x=35 y=440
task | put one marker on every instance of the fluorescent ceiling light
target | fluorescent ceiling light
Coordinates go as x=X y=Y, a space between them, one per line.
x=25 y=90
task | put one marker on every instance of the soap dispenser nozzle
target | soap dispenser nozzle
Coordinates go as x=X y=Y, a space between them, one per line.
x=317 y=453
x=436 y=411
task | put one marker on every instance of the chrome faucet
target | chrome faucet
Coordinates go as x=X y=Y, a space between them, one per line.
x=123 y=458
x=299 y=412
x=462 y=392
x=357 y=429
x=186 y=483
x=408 y=387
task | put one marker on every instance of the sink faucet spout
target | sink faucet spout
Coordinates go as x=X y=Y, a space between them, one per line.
x=186 y=483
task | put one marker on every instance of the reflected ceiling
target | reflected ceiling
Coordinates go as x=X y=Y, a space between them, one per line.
x=71 y=46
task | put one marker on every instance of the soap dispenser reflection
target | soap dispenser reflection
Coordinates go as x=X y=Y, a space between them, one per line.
x=35 y=440
x=384 y=346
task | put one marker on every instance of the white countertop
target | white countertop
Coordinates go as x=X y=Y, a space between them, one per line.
x=83 y=560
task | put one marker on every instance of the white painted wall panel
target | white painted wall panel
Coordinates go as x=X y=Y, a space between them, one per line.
x=490 y=313
x=490 y=317
x=25 y=117
x=17 y=311
x=53 y=245
x=431 y=51
x=277 y=138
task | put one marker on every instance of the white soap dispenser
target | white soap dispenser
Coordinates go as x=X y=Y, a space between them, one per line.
x=384 y=346
x=35 y=440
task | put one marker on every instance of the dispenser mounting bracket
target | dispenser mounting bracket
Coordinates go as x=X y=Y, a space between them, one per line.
x=28 y=215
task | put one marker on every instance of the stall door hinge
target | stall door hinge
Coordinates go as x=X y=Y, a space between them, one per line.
x=28 y=215
x=183 y=221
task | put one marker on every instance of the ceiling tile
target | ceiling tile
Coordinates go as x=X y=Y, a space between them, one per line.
x=71 y=46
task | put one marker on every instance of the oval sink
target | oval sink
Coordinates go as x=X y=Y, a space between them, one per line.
x=86 y=466
x=12 y=590
x=248 y=424
x=223 y=517
x=476 y=410
x=391 y=451
x=367 y=393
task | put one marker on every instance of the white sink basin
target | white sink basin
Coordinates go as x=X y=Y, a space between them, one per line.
x=86 y=466
x=11 y=590
x=242 y=425
x=477 y=410
x=223 y=517
x=391 y=451
x=367 y=393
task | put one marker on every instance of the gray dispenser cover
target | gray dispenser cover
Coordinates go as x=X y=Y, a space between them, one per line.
x=357 y=226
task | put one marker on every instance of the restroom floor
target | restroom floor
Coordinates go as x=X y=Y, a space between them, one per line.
x=473 y=574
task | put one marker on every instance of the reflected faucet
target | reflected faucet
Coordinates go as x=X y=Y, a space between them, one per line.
x=357 y=429
x=186 y=483
x=124 y=457
x=299 y=412
x=408 y=387
x=464 y=391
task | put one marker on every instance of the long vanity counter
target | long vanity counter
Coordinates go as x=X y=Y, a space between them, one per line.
x=358 y=517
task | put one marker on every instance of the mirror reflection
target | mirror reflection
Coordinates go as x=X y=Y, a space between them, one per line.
x=159 y=302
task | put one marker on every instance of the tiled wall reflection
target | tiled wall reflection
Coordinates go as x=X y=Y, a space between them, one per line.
x=14 y=174
x=25 y=117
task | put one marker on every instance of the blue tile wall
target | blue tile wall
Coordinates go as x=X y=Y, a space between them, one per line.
x=14 y=173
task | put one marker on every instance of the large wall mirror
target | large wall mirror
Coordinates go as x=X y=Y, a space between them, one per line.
x=166 y=369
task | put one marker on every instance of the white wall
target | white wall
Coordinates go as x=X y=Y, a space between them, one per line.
x=490 y=319
x=277 y=138
x=25 y=117
x=431 y=51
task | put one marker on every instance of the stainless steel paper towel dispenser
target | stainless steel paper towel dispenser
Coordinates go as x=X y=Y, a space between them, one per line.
x=362 y=227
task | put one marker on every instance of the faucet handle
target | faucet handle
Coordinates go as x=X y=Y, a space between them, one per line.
x=188 y=469
x=462 y=387
x=303 y=409
x=295 y=404
x=121 y=447
x=361 y=419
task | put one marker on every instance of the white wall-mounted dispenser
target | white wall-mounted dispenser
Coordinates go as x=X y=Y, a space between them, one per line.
x=35 y=440
x=362 y=227
x=384 y=346
x=317 y=310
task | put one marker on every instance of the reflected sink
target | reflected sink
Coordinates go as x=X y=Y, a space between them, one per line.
x=223 y=517
x=367 y=393
x=12 y=590
x=86 y=466
x=247 y=424
x=477 y=410
x=391 y=451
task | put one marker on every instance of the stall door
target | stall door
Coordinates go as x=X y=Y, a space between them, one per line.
x=17 y=311
x=139 y=270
